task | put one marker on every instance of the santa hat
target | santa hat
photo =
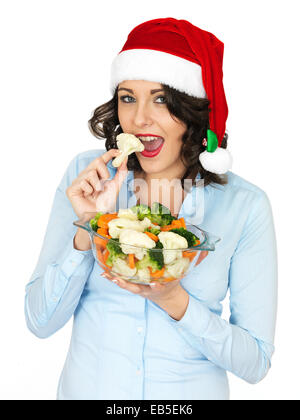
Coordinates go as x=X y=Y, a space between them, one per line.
x=187 y=58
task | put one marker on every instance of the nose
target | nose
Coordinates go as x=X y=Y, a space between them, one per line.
x=142 y=115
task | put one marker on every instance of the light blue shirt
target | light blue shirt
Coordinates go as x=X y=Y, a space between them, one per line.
x=124 y=346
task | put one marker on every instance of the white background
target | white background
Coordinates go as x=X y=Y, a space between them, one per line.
x=56 y=58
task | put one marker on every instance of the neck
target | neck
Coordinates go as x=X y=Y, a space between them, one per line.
x=176 y=172
x=170 y=197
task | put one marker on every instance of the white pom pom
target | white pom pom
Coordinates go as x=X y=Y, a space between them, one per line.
x=218 y=162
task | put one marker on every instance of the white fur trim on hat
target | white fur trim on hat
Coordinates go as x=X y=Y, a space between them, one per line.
x=157 y=66
x=217 y=162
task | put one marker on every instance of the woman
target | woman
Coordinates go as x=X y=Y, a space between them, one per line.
x=165 y=341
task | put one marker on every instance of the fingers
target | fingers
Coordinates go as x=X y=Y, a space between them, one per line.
x=80 y=187
x=121 y=175
x=87 y=185
x=141 y=289
x=93 y=178
x=86 y=188
x=103 y=172
x=95 y=173
x=131 y=287
x=100 y=164
x=201 y=257
x=101 y=161
x=112 y=153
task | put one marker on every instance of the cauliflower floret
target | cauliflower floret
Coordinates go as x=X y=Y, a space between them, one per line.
x=147 y=223
x=137 y=239
x=115 y=226
x=172 y=241
x=178 y=267
x=128 y=144
x=144 y=274
x=171 y=255
x=121 y=267
x=127 y=214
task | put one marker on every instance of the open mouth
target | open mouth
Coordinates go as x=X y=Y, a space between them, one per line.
x=151 y=143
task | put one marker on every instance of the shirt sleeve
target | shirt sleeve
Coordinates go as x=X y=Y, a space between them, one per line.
x=245 y=344
x=58 y=280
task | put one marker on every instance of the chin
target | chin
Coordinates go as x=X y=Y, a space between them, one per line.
x=152 y=167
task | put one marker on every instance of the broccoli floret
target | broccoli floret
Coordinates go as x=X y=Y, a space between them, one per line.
x=156 y=256
x=161 y=220
x=189 y=236
x=167 y=219
x=160 y=214
x=153 y=230
x=159 y=245
x=115 y=251
x=158 y=208
x=154 y=260
x=94 y=221
x=142 y=211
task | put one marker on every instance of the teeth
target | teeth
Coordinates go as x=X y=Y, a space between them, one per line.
x=149 y=138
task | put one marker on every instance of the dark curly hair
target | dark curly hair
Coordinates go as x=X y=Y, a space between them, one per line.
x=194 y=112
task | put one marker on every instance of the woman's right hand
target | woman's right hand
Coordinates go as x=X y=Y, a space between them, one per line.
x=91 y=191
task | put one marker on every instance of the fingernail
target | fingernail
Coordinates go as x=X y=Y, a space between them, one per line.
x=152 y=284
x=115 y=281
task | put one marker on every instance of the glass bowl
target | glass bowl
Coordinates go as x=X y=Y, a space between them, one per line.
x=178 y=262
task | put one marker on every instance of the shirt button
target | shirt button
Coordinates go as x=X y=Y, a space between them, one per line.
x=73 y=263
x=139 y=371
x=140 y=330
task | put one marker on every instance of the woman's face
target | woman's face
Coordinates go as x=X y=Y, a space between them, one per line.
x=142 y=110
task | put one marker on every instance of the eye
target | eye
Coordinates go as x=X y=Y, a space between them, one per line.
x=163 y=99
x=125 y=97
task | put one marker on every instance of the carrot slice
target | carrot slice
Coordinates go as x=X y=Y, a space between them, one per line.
x=176 y=224
x=182 y=221
x=157 y=273
x=100 y=241
x=108 y=216
x=105 y=218
x=189 y=255
x=197 y=242
x=152 y=236
x=167 y=228
x=167 y=279
x=131 y=260
x=102 y=224
x=103 y=232
x=102 y=257
x=105 y=255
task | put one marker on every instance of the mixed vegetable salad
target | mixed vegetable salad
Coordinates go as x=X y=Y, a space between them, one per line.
x=144 y=243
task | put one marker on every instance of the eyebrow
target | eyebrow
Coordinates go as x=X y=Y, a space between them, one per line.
x=152 y=91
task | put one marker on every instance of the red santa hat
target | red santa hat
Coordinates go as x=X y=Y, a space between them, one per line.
x=187 y=58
